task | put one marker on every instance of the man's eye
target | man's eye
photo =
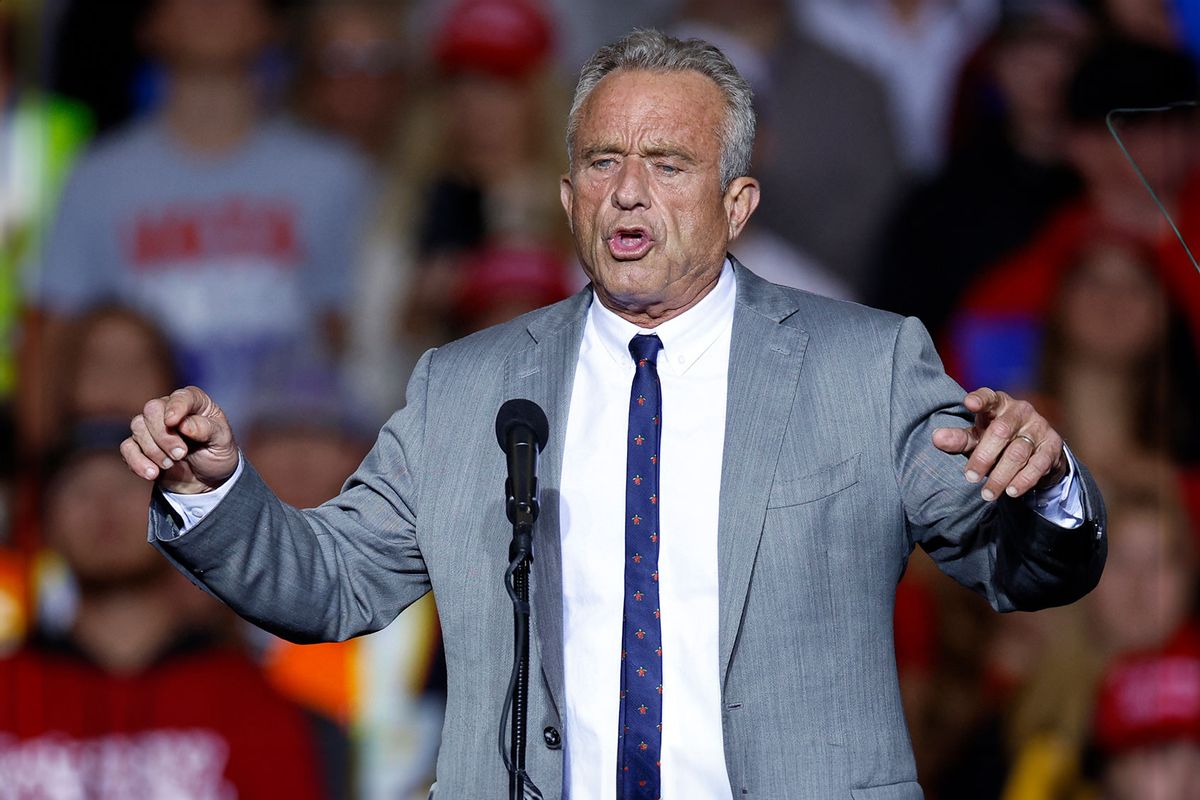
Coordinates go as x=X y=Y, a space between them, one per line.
x=668 y=169
x=603 y=163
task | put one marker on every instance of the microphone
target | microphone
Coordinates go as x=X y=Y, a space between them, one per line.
x=522 y=431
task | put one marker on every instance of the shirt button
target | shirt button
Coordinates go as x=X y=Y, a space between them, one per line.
x=198 y=513
x=552 y=737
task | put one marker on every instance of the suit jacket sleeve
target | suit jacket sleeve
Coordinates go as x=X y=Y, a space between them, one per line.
x=343 y=569
x=1003 y=550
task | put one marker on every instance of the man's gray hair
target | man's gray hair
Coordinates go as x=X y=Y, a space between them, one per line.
x=655 y=51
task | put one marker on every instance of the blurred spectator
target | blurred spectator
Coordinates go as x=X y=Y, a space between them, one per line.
x=353 y=82
x=1153 y=22
x=387 y=690
x=113 y=358
x=772 y=258
x=586 y=25
x=1145 y=597
x=141 y=697
x=40 y=135
x=351 y=76
x=233 y=231
x=917 y=48
x=1005 y=181
x=486 y=151
x=1120 y=392
x=1147 y=724
x=994 y=337
x=824 y=150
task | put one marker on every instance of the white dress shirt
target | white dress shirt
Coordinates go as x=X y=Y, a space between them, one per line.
x=693 y=370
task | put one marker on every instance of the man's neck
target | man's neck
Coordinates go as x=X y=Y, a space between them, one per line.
x=124 y=629
x=211 y=112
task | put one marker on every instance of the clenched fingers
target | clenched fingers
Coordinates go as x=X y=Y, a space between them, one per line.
x=185 y=402
x=166 y=436
x=1008 y=418
x=1047 y=459
x=138 y=462
x=1013 y=459
x=144 y=437
x=1010 y=443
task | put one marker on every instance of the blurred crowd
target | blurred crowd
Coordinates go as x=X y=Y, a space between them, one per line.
x=287 y=201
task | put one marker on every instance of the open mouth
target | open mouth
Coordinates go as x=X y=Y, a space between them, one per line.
x=629 y=243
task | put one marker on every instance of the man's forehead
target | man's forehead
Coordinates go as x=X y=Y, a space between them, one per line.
x=660 y=106
x=673 y=84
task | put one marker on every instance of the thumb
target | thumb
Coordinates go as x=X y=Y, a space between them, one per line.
x=203 y=430
x=955 y=440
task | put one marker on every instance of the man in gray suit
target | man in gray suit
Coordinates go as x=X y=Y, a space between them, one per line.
x=807 y=446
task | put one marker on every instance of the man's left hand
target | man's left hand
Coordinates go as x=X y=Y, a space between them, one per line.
x=1010 y=443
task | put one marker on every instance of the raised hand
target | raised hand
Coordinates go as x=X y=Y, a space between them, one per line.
x=183 y=441
x=1010 y=443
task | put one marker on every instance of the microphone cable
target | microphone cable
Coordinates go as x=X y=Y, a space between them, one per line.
x=529 y=789
x=1108 y=121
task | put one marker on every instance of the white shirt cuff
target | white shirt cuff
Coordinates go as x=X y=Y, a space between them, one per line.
x=193 y=508
x=1062 y=503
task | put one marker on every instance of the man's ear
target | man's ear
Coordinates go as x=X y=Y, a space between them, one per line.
x=566 y=194
x=741 y=198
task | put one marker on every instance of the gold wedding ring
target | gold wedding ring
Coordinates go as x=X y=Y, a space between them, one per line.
x=1032 y=443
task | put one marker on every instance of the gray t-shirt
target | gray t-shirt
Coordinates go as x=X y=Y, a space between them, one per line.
x=238 y=256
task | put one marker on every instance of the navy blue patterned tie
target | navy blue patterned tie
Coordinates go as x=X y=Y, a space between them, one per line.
x=640 y=731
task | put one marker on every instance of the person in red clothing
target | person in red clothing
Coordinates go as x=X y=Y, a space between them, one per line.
x=141 y=697
x=994 y=337
x=1004 y=327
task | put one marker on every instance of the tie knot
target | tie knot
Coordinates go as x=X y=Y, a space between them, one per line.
x=645 y=348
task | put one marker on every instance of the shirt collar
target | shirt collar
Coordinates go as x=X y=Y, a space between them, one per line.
x=685 y=338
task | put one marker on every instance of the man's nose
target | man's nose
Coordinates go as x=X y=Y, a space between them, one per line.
x=631 y=190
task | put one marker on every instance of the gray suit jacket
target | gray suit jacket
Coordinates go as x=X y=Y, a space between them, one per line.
x=829 y=481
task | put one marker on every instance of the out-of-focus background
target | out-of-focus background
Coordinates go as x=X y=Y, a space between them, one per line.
x=286 y=202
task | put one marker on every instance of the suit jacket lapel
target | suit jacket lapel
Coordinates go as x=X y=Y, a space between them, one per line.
x=765 y=358
x=544 y=373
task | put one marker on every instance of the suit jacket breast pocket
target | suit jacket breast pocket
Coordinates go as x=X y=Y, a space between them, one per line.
x=815 y=485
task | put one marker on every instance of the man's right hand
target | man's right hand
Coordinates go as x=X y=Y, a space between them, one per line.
x=183 y=441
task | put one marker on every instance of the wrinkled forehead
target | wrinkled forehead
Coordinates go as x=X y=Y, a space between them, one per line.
x=652 y=107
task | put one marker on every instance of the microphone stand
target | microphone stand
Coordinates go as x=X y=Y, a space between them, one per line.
x=521 y=431
x=516 y=582
x=520 y=554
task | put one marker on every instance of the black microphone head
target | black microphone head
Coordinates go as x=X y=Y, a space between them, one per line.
x=522 y=412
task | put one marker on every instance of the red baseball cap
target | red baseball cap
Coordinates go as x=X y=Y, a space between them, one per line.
x=497 y=273
x=1151 y=697
x=509 y=38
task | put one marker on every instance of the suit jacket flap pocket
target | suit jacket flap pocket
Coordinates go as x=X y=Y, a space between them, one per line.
x=814 y=485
